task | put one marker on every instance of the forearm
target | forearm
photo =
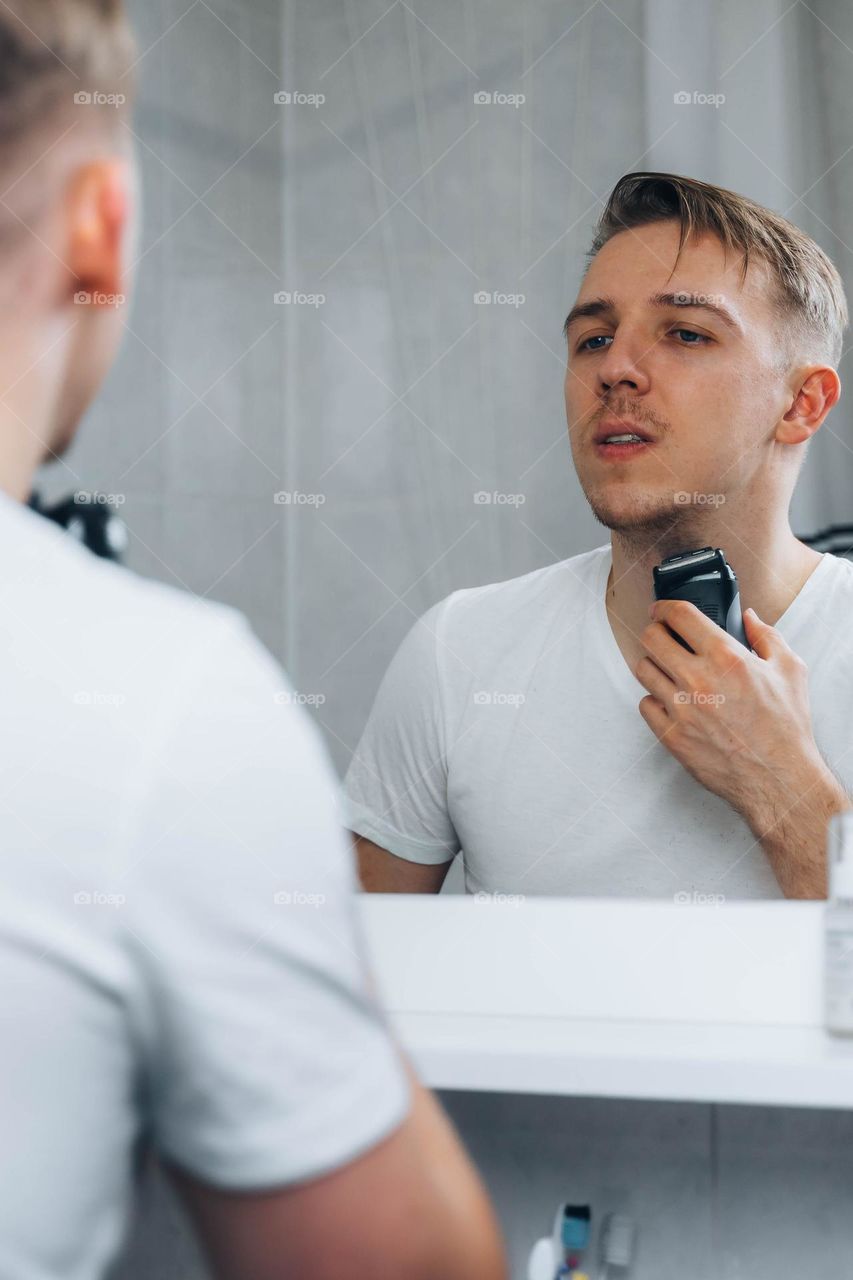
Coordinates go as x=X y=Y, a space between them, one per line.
x=469 y=1244
x=790 y=821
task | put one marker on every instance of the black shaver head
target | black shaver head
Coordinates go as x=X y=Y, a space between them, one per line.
x=705 y=579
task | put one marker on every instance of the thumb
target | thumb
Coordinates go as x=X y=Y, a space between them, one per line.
x=763 y=640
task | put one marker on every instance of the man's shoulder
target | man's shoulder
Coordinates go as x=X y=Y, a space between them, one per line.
x=827 y=592
x=161 y=641
x=839 y=569
x=830 y=599
x=96 y=615
x=554 y=586
x=473 y=623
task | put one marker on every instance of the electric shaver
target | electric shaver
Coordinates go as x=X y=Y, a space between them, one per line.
x=705 y=579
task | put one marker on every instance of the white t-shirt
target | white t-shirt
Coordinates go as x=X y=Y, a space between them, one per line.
x=507 y=727
x=179 y=954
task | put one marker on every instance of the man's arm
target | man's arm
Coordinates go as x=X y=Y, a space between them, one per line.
x=412 y=1208
x=792 y=831
x=383 y=872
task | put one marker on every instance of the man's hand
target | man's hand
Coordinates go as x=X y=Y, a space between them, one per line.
x=740 y=723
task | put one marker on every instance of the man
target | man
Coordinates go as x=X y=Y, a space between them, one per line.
x=552 y=727
x=179 y=957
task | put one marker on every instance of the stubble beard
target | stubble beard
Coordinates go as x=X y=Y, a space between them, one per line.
x=662 y=524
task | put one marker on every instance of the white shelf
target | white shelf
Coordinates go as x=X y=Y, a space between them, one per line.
x=611 y=998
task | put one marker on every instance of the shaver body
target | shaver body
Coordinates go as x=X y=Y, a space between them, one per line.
x=705 y=578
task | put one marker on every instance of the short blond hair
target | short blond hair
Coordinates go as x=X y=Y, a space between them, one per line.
x=808 y=295
x=51 y=50
x=52 y=53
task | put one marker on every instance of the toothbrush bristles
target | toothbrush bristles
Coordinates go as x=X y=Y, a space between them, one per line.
x=617 y=1241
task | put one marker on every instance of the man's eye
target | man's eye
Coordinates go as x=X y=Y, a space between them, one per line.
x=700 y=336
x=602 y=337
x=596 y=338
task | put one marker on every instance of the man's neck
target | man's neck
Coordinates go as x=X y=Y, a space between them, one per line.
x=22 y=433
x=771 y=565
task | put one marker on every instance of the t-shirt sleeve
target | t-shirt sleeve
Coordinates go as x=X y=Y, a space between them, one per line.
x=266 y=1059
x=395 y=789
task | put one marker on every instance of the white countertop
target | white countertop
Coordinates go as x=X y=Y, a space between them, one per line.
x=611 y=998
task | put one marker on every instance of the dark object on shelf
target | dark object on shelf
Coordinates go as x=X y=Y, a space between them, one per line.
x=90 y=518
x=837 y=539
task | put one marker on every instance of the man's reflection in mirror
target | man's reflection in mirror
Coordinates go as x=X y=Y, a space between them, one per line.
x=562 y=732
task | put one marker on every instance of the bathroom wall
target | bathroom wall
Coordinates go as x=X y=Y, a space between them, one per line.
x=718 y=1193
x=384 y=402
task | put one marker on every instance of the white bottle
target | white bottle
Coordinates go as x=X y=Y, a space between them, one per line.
x=838 y=926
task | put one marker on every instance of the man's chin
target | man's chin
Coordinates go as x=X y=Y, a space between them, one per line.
x=640 y=515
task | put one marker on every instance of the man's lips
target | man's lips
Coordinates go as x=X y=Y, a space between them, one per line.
x=620 y=450
x=620 y=427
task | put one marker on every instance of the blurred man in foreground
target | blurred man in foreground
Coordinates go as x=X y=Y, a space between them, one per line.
x=179 y=958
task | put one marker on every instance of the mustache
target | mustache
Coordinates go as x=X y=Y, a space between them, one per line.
x=627 y=412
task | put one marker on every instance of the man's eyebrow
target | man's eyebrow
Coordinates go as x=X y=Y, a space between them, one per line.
x=695 y=301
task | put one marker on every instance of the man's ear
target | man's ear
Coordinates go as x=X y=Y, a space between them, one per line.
x=98 y=206
x=820 y=389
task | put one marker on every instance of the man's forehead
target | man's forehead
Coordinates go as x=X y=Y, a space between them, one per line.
x=640 y=263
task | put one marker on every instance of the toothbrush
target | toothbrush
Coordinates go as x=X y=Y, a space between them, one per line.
x=616 y=1245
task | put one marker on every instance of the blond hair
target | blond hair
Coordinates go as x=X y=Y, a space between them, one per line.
x=808 y=294
x=64 y=69
x=51 y=50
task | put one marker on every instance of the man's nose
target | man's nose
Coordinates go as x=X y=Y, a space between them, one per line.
x=621 y=365
x=627 y=382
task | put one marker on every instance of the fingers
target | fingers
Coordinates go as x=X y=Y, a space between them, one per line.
x=688 y=621
x=763 y=639
x=667 y=653
x=656 y=681
x=655 y=716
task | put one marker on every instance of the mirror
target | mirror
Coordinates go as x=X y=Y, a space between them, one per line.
x=480 y=551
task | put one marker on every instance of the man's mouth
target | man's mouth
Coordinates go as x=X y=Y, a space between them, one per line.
x=617 y=440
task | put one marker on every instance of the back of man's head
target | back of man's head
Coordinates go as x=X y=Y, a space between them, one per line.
x=67 y=178
x=64 y=69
